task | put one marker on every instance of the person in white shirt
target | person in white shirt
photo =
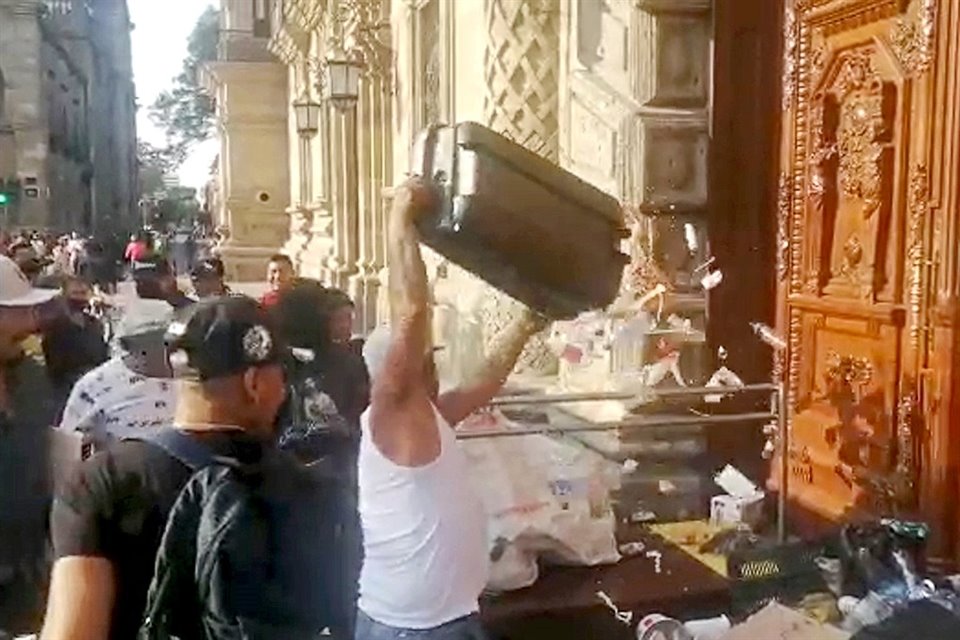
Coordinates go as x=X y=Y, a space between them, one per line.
x=131 y=391
x=424 y=530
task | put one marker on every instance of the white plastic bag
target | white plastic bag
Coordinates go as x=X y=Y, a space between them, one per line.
x=544 y=499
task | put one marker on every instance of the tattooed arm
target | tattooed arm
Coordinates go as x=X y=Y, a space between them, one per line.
x=480 y=388
x=402 y=421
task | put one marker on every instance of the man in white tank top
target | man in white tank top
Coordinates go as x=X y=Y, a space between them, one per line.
x=424 y=530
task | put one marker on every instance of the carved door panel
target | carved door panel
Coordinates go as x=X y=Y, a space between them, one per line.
x=852 y=236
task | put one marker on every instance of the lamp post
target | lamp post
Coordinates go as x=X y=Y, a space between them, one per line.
x=307 y=115
x=341 y=89
x=343 y=80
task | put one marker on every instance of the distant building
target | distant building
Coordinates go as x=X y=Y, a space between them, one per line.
x=249 y=87
x=67 y=115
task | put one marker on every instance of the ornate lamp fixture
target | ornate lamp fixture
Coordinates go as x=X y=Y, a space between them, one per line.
x=343 y=80
x=307 y=113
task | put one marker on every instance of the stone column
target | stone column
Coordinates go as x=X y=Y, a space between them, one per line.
x=521 y=73
x=342 y=262
x=369 y=38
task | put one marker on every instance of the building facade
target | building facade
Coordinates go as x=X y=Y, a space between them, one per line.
x=808 y=147
x=67 y=115
x=618 y=92
x=249 y=87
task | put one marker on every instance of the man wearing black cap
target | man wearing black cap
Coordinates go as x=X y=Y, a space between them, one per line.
x=108 y=520
x=207 y=279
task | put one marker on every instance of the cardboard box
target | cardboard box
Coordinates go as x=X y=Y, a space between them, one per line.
x=742 y=503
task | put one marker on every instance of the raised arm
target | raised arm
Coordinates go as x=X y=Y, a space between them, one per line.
x=401 y=417
x=80 y=604
x=484 y=383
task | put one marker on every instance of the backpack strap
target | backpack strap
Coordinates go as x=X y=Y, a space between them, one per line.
x=190 y=451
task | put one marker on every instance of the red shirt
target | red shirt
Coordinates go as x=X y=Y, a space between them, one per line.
x=269 y=299
x=136 y=251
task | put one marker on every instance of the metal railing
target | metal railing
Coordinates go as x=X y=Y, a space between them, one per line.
x=776 y=413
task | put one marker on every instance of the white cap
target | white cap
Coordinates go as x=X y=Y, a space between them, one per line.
x=377 y=346
x=141 y=317
x=16 y=290
x=375 y=350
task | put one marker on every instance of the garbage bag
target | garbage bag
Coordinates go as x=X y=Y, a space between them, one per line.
x=546 y=500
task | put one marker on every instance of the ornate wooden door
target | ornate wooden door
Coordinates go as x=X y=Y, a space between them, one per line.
x=863 y=239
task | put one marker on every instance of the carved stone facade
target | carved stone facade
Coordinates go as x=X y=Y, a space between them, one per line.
x=618 y=92
x=250 y=90
x=335 y=227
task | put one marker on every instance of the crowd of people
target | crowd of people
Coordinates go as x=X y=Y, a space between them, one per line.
x=252 y=469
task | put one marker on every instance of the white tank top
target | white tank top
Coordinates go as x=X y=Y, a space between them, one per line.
x=424 y=536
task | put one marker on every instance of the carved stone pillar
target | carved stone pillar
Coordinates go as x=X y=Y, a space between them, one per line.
x=521 y=73
x=368 y=37
x=342 y=263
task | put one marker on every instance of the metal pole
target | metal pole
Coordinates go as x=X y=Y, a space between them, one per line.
x=557 y=398
x=784 y=462
x=634 y=423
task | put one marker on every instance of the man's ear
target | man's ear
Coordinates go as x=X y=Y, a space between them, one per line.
x=251 y=384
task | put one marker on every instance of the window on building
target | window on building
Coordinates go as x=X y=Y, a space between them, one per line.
x=261 y=18
x=3 y=98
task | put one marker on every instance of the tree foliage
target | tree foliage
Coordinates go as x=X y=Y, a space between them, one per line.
x=185 y=111
x=155 y=164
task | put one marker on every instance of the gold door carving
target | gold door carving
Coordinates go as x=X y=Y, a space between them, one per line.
x=852 y=239
x=851 y=160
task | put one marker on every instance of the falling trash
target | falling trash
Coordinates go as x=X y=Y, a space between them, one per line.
x=768 y=336
x=712 y=280
x=656 y=556
x=626 y=617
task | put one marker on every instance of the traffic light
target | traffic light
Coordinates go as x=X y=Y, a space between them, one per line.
x=4 y=199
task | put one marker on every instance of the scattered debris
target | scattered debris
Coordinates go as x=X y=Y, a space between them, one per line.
x=667 y=487
x=690 y=235
x=626 y=617
x=656 y=556
x=630 y=549
x=705 y=265
x=659 y=627
x=630 y=465
x=711 y=280
x=742 y=503
x=768 y=336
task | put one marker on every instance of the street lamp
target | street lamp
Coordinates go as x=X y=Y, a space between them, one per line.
x=307 y=114
x=343 y=80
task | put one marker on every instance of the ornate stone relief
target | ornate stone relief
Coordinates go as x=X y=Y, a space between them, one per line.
x=918 y=210
x=521 y=69
x=521 y=73
x=784 y=203
x=790 y=35
x=366 y=33
x=912 y=37
x=305 y=14
x=430 y=65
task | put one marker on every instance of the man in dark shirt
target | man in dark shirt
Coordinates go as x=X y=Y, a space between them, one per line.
x=107 y=522
x=26 y=411
x=207 y=279
x=73 y=343
x=154 y=280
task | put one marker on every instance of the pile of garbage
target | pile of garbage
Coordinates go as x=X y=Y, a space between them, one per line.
x=866 y=584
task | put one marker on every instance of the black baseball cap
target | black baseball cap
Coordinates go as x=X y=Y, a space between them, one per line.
x=151 y=268
x=221 y=337
x=209 y=268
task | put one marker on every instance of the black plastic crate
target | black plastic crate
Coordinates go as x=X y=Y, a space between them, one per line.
x=785 y=573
